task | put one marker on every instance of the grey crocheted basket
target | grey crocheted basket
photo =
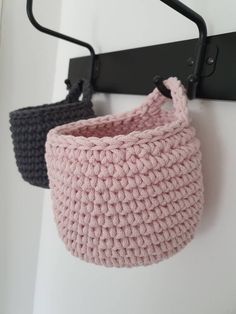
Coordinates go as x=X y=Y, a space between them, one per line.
x=29 y=127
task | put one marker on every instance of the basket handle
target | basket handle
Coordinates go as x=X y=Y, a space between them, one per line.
x=179 y=97
x=80 y=87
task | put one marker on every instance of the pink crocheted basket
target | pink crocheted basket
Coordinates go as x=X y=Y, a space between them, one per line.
x=127 y=188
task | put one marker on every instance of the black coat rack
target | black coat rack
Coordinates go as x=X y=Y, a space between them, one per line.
x=205 y=65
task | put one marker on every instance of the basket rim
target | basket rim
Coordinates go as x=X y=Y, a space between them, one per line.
x=27 y=111
x=180 y=121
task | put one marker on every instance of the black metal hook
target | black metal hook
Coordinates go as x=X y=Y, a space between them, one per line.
x=193 y=78
x=158 y=81
x=29 y=9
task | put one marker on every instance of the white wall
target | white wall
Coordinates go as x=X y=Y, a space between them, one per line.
x=27 y=68
x=200 y=279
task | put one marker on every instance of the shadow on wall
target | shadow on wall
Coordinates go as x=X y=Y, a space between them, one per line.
x=207 y=131
x=102 y=104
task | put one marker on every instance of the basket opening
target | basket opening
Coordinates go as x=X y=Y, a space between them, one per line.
x=123 y=126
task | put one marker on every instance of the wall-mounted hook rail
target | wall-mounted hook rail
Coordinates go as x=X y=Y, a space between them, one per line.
x=205 y=65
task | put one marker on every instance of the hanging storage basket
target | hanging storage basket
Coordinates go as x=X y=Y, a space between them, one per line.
x=127 y=188
x=29 y=127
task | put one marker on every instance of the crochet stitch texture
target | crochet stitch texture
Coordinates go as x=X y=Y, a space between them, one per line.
x=127 y=188
x=29 y=128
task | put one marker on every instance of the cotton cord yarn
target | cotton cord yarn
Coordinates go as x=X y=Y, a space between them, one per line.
x=29 y=127
x=127 y=188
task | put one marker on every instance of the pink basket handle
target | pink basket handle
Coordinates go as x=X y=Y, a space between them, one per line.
x=179 y=97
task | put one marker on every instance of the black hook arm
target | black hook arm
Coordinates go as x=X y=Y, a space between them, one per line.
x=193 y=79
x=29 y=9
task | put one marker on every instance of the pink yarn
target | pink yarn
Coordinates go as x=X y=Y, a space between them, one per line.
x=127 y=188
